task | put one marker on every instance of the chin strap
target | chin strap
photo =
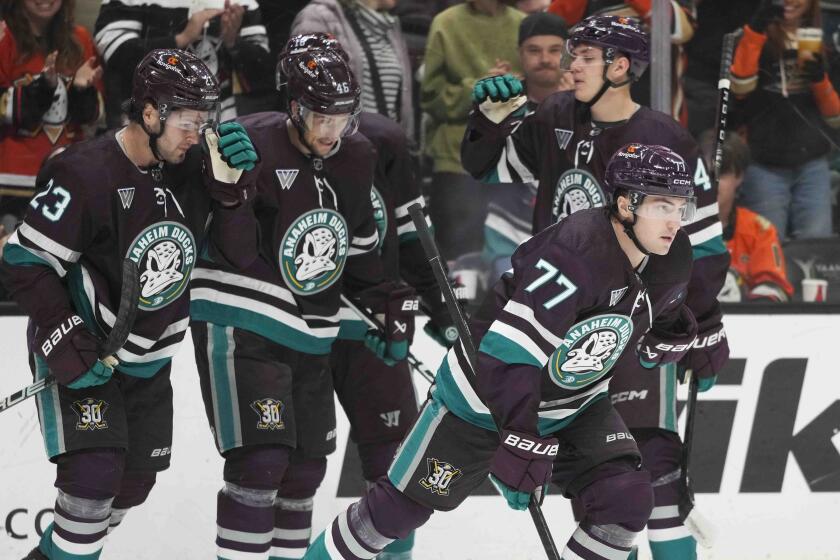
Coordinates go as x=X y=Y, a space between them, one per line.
x=631 y=232
x=153 y=138
x=609 y=58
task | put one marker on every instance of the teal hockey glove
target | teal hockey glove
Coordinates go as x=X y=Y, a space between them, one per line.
x=235 y=146
x=522 y=465
x=499 y=97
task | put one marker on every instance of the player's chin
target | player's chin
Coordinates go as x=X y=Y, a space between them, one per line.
x=663 y=245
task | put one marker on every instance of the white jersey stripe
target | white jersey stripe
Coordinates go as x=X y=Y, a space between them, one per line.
x=700 y=237
x=520 y=339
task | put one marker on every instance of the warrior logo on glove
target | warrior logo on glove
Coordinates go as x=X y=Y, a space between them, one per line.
x=165 y=255
x=589 y=350
x=313 y=251
x=91 y=414
x=440 y=477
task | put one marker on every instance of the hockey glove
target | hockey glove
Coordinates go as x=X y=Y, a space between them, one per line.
x=235 y=146
x=72 y=354
x=392 y=345
x=223 y=177
x=521 y=466
x=659 y=346
x=499 y=97
x=767 y=11
x=703 y=383
x=439 y=327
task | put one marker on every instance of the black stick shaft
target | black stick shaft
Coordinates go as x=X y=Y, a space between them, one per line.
x=416 y=213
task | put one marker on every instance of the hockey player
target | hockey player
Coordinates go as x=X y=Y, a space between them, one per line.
x=566 y=145
x=378 y=397
x=136 y=193
x=263 y=336
x=576 y=304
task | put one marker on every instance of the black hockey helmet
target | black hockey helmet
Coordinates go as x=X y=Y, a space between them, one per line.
x=641 y=170
x=304 y=43
x=614 y=34
x=173 y=78
x=322 y=82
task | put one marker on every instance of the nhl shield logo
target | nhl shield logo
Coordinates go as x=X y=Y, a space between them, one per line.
x=165 y=254
x=576 y=190
x=91 y=413
x=589 y=350
x=313 y=251
x=441 y=475
x=379 y=214
x=270 y=413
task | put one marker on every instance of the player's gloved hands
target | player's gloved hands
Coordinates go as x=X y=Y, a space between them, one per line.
x=392 y=345
x=518 y=500
x=660 y=346
x=439 y=327
x=767 y=11
x=235 y=146
x=522 y=466
x=814 y=68
x=703 y=383
x=72 y=354
x=498 y=97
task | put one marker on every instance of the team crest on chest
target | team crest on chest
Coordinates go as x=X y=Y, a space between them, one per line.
x=441 y=475
x=165 y=254
x=576 y=189
x=313 y=251
x=379 y=214
x=589 y=350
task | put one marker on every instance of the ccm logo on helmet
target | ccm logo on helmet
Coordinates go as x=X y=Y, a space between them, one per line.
x=531 y=446
x=59 y=333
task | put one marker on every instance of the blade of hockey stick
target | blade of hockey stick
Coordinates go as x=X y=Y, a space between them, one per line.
x=126 y=314
x=371 y=322
x=459 y=319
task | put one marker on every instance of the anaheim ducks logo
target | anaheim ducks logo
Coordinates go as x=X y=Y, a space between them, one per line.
x=577 y=189
x=165 y=255
x=379 y=214
x=313 y=251
x=589 y=350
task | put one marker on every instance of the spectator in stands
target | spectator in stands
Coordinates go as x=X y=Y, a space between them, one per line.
x=682 y=30
x=510 y=210
x=378 y=53
x=466 y=42
x=757 y=268
x=231 y=40
x=715 y=18
x=790 y=111
x=48 y=91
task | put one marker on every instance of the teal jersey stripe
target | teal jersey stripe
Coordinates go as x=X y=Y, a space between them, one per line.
x=710 y=248
x=682 y=549
x=407 y=457
x=48 y=402
x=220 y=314
x=669 y=395
x=352 y=329
x=496 y=245
x=408 y=237
x=506 y=350
x=492 y=177
x=144 y=370
x=221 y=388
x=17 y=255
x=52 y=551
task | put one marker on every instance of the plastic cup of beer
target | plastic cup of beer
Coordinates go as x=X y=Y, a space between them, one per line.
x=814 y=289
x=809 y=43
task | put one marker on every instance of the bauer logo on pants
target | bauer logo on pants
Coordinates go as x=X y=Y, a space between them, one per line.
x=270 y=413
x=91 y=413
x=589 y=350
x=313 y=251
x=165 y=255
x=440 y=477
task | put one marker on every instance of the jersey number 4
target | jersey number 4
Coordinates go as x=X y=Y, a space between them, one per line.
x=51 y=209
x=567 y=286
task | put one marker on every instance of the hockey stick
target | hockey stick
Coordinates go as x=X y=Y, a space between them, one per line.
x=126 y=313
x=431 y=250
x=371 y=322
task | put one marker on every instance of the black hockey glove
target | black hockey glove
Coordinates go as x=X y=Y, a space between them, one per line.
x=72 y=354
x=767 y=11
x=660 y=346
x=440 y=327
x=392 y=345
x=522 y=465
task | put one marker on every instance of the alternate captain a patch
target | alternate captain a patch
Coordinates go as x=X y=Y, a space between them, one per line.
x=313 y=251
x=589 y=350
x=165 y=254
x=441 y=475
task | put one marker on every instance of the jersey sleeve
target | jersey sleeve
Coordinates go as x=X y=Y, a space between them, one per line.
x=56 y=231
x=537 y=304
x=507 y=152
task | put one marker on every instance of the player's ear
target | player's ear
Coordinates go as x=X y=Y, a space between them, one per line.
x=620 y=67
x=623 y=204
x=150 y=115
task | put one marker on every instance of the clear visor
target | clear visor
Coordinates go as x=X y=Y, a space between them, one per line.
x=667 y=208
x=190 y=120
x=581 y=55
x=329 y=126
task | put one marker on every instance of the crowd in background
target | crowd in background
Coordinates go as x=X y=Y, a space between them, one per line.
x=418 y=61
